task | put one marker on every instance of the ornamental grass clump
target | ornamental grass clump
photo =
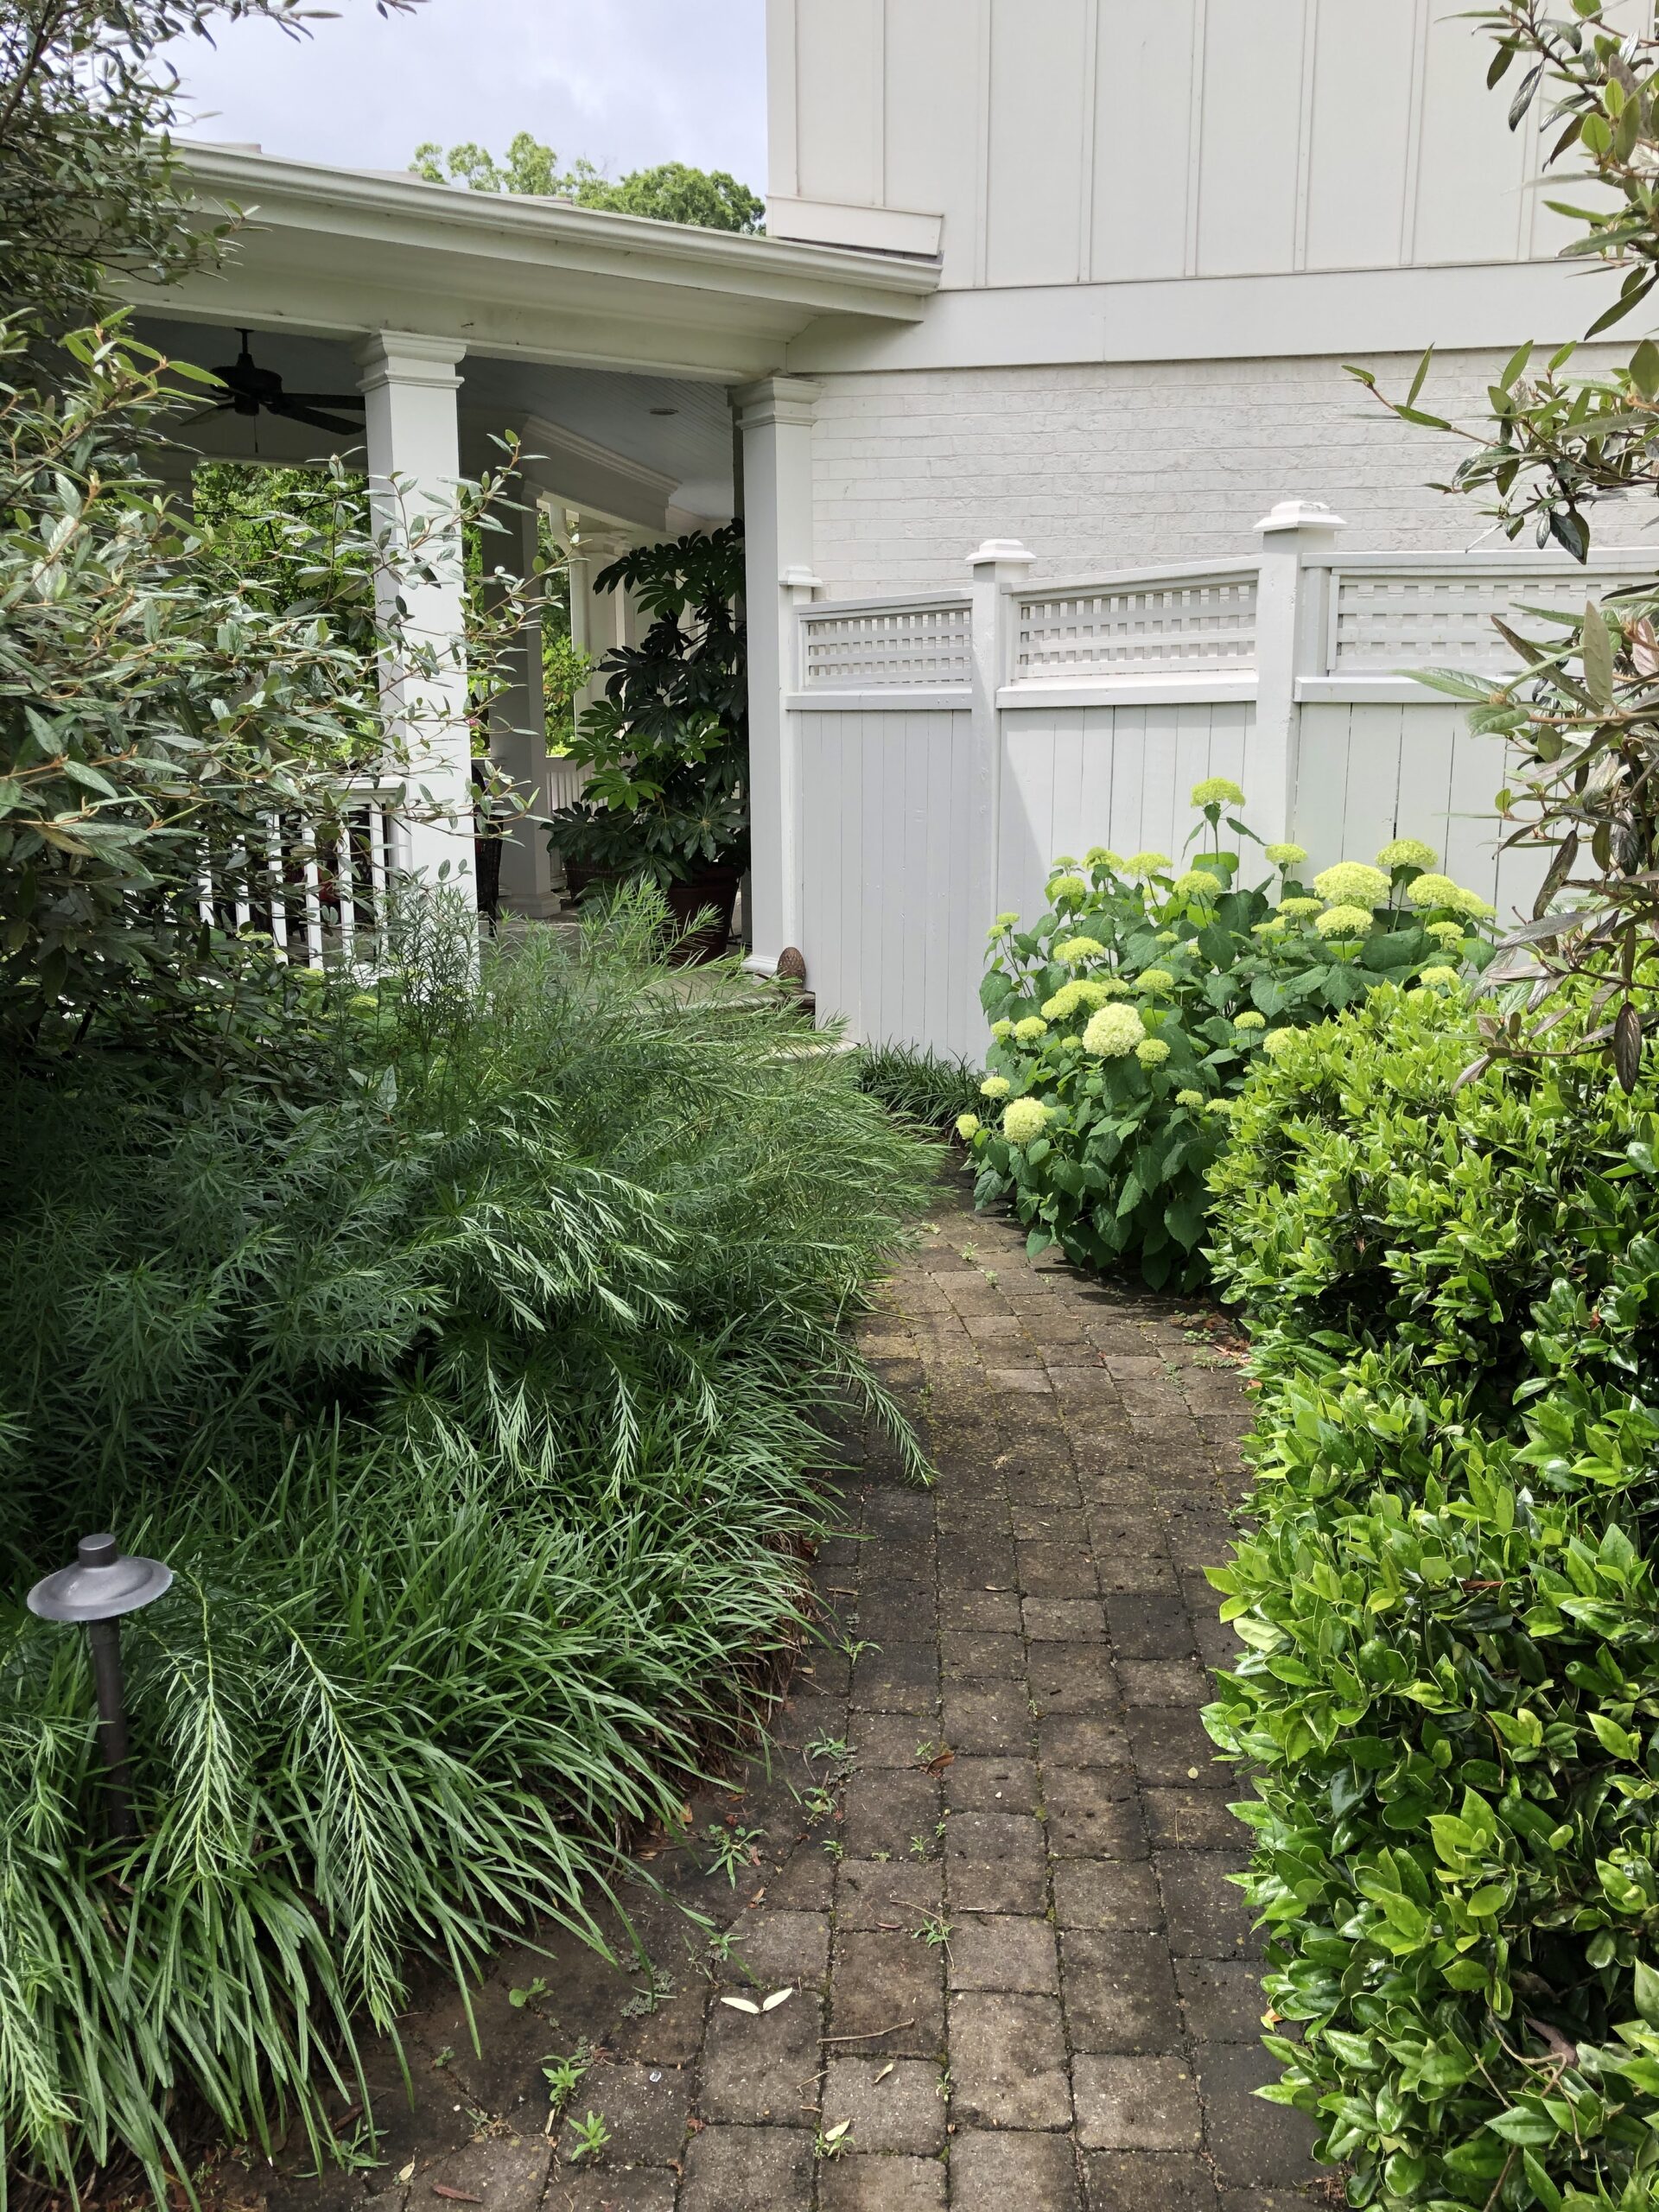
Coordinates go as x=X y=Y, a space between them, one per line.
x=472 y=1378
x=1448 y=1700
x=1139 y=989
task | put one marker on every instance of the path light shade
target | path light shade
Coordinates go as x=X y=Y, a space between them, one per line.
x=101 y=1586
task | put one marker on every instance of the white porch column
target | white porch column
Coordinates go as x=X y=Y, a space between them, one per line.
x=518 y=715
x=1290 y=604
x=775 y=418
x=409 y=386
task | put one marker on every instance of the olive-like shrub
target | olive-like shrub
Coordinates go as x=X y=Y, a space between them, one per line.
x=1449 y=1696
x=1127 y=1016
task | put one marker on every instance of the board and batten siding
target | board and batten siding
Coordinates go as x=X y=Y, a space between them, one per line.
x=1079 y=142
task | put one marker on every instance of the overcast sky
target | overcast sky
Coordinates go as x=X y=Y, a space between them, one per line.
x=628 y=83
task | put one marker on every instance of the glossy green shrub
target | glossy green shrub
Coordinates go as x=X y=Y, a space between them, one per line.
x=1131 y=1011
x=1450 y=1694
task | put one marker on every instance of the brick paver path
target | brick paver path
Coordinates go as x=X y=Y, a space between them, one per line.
x=988 y=1862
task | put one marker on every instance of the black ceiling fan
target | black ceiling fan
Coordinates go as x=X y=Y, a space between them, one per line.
x=252 y=390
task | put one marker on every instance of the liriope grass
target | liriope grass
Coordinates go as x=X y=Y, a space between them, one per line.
x=472 y=1376
x=919 y=1082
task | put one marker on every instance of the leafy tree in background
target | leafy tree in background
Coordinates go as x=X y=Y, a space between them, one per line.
x=1583 y=715
x=671 y=192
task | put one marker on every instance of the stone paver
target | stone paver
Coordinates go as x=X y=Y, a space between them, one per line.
x=986 y=1855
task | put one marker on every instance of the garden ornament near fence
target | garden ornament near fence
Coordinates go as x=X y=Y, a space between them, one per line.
x=101 y=1586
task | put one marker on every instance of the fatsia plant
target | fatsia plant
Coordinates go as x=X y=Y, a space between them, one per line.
x=1582 y=713
x=666 y=747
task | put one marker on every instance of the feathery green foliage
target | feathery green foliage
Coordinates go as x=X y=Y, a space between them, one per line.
x=473 y=1380
x=1449 y=1606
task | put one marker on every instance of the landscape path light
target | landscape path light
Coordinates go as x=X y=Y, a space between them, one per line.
x=103 y=1584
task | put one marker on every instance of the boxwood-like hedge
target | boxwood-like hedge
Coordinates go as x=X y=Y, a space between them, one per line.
x=1449 y=1702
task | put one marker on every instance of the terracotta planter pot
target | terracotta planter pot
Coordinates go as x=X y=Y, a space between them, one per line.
x=716 y=887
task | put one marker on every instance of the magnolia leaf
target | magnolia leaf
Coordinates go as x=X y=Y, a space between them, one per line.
x=1598 y=655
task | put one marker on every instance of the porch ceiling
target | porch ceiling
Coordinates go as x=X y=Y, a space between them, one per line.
x=338 y=252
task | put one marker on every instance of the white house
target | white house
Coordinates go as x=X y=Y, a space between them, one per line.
x=1069 y=282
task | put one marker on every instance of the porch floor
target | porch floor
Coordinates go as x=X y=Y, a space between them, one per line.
x=1018 y=1973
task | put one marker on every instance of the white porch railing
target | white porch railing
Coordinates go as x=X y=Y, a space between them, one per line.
x=950 y=746
x=319 y=890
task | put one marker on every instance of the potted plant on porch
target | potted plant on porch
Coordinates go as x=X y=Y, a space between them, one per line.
x=666 y=747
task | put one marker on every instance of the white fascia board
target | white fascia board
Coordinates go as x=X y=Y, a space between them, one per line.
x=871 y=230
x=1346 y=313
x=583 y=474
x=541 y=236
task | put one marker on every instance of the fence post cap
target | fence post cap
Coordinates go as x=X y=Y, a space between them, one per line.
x=1300 y=514
x=1000 y=550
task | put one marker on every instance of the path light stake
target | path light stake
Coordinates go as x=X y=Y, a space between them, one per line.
x=101 y=1586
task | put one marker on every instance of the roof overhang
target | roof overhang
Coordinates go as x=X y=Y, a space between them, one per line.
x=336 y=252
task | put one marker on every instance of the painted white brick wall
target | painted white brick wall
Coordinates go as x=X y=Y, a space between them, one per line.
x=1099 y=467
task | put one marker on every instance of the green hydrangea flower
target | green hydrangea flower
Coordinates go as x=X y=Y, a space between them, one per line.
x=1274 y=926
x=1406 y=852
x=1147 y=863
x=1277 y=1042
x=1249 y=1021
x=1344 y=921
x=1103 y=857
x=1024 y=1120
x=1167 y=937
x=1197 y=883
x=1193 y=1099
x=1352 y=883
x=1004 y=921
x=1217 y=791
x=1113 y=1031
x=1154 y=981
x=1298 y=909
x=1067 y=890
x=996 y=1086
x=1430 y=890
x=1446 y=933
x=1030 y=1029
x=1439 y=975
x=1151 y=1052
x=1076 y=950
x=1285 y=855
x=1002 y=1029
x=968 y=1127
x=1222 y=1106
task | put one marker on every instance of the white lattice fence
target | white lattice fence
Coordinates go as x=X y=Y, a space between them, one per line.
x=951 y=747
x=1176 y=625
x=1388 y=621
x=895 y=644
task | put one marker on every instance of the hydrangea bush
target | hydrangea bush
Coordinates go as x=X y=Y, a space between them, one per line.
x=1448 y=1606
x=1126 y=1017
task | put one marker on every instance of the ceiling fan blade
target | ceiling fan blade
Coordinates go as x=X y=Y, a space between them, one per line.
x=323 y=399
x=318 y=421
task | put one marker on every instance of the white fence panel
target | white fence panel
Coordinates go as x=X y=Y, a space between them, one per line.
x=885 y=805
x=1100 y=704
x=1074 y=777
x=1371 y=772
